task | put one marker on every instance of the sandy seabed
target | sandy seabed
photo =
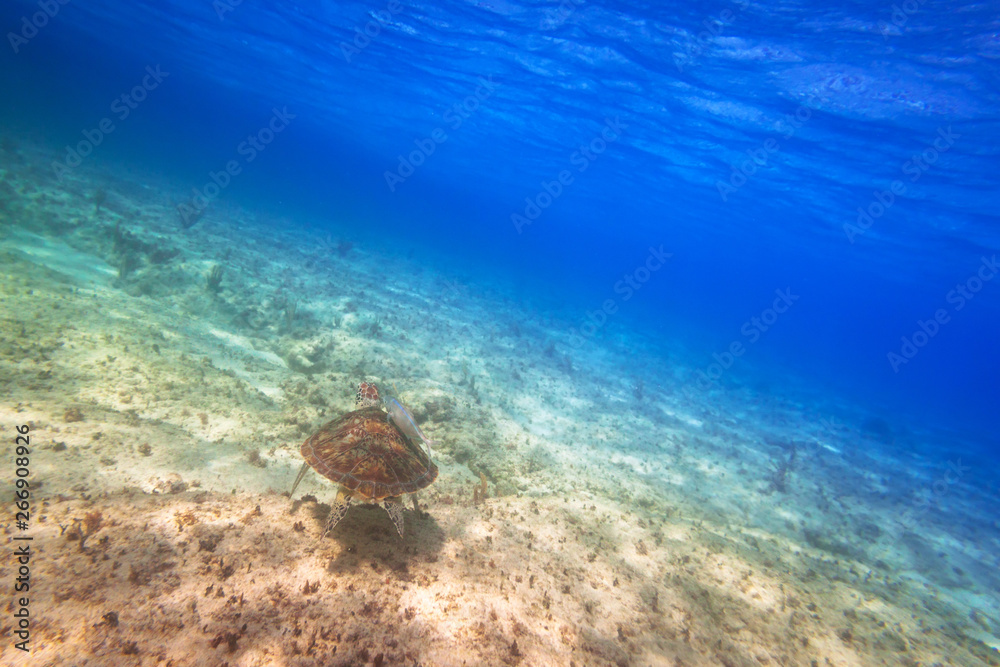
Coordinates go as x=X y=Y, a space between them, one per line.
x=627 y=519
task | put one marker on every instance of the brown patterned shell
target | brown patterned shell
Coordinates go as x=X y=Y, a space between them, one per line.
x=366 y=453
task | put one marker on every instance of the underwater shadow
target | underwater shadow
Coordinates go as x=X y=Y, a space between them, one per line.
x=367 y=533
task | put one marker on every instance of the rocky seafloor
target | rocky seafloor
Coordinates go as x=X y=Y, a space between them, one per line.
x=585 y=514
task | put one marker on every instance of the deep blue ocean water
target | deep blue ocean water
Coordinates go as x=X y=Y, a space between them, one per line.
x=830 y=169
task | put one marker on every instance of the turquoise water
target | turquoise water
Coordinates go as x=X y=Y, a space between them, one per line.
x=796 y=202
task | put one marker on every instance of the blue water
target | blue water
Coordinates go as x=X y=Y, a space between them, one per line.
x=821 y=107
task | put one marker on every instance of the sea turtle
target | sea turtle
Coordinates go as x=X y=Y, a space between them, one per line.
x=369 y=456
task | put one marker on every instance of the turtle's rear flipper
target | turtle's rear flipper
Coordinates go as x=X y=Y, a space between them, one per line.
x=394 y=507
x=338 y=510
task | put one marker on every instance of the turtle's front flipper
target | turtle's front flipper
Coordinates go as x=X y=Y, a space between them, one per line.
x=302 y=473
x=394 y=506
x=338 y=510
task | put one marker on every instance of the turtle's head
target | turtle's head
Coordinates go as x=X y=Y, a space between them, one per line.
x=367 y=396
